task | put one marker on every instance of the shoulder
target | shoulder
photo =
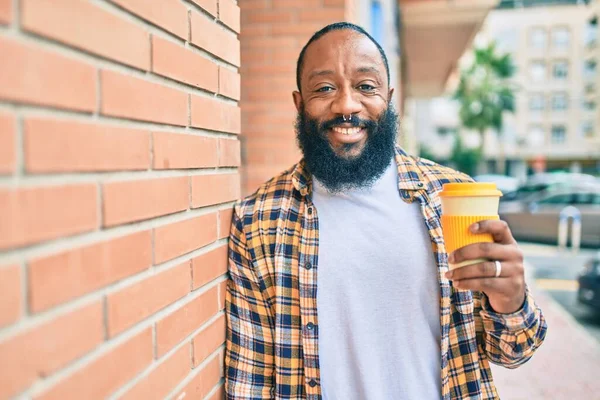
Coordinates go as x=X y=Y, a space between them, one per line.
x=436 y=175
x=267 y=198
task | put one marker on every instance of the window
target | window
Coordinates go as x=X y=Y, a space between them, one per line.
x=377 y=22
x=561 y=36
x=445 y=130
x=591 y=32
x=557 y=199
x=587 y=129
x=536 y=137
x=559 y=134
x=559 y=101
x=538 y=38
x=536 y=102
x=537 y=71
x=560 y=69
x=589 y=69
x=589 y=105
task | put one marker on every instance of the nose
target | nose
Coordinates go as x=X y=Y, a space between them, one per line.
x=346 y=103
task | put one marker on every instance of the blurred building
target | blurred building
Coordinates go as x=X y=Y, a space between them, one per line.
x=557 y=120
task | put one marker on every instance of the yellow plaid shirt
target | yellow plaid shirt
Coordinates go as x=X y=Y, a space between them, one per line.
x=271 y=302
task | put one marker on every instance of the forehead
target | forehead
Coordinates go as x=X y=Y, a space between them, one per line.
x=340 y=49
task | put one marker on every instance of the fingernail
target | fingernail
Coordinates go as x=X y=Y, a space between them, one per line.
x=475 y=227
x=456 y=283
x=451 y=258
x=449 y=274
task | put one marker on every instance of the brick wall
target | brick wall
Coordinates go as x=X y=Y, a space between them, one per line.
x=273 y=33
x=118 y=166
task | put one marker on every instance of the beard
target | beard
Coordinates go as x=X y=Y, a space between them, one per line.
x=337 y=172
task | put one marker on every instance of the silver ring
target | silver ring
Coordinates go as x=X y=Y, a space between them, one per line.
x=349 y=117
x=498 y=268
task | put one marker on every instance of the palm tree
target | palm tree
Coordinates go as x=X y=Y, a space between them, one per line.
x=485 y=93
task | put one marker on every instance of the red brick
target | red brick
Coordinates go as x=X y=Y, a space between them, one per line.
x=324 y=14
x=214 y=189
x=170 y=15
x=179 y=238
x=222 y=293
x=29 y=74
x=206 y=342
x=175 y=327
x=334 y=3
x=60 y=146
x=11 y=300
x=172 y=151
x=229 y=83
x=208 y=5
x=229 y=14
x=176 y=62
x=215 y=115
x=5 y=11
x=215 y=39
x=305 y=29
x=136 y=302
x=73 y=273
x=107 y=373
x=45 y=349
x=129 y=97
x=219 y=394
x=203 y=382
x=159 y=383
x=138 y=200
x=209 y=266
x=82 y=24
x=31 y=215
x=270 y=16
x=256 y=5
x=225 y=222
x=229 y=153
x=7 y=143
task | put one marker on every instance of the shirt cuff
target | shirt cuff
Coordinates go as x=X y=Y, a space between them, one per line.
x=520 y=320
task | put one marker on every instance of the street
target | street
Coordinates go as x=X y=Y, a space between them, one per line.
x=566 y=366
x=556 y=274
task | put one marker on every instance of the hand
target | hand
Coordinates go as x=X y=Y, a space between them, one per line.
x=506 y=293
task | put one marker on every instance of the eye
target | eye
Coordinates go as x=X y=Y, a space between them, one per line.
x=366 y=87
x=324 y=89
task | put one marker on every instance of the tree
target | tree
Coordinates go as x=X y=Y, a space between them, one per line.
x=485 y=93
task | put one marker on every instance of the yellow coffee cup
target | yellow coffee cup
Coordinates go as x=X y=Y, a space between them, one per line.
x=463 y=204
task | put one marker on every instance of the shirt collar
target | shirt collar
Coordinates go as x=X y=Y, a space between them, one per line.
x=409 y=174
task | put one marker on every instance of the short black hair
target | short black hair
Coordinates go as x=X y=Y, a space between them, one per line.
x=337 y=26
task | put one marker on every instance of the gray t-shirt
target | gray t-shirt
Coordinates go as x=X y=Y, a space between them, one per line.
x=377 y=296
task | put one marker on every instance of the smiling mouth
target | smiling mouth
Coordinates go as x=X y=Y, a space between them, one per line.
x=347 y=131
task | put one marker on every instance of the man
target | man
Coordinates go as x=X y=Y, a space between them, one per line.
x=339 y=278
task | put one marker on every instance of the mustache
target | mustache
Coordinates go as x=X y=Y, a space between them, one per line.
x=354 y=121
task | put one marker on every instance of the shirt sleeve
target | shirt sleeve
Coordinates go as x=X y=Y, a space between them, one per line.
x=511 y=339
x=249 y=356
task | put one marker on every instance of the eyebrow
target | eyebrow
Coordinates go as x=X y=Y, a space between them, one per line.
x=330 y=72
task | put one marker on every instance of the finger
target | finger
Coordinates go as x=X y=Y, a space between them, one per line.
x=499 y=230
x=486 y=250
x=488 y=285
x=481 y=270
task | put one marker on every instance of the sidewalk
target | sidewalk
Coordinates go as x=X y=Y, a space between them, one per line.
x=566 y=366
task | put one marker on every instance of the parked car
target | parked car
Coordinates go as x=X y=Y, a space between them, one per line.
x=506 y=184
x=547 y=180
x=536 y=217
x=589 y=283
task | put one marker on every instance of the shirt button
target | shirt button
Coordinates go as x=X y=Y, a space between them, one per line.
x=312 y=383
x=309 y=210
x=420 y=184
x=308 y=265
x=310 y=326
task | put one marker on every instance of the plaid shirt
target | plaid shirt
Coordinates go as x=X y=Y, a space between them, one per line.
x=271 y=302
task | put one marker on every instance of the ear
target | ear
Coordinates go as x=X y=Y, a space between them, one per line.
x=297 y=100
x=390 y=94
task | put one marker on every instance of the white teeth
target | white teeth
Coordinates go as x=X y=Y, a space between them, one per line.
x=347 y=131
